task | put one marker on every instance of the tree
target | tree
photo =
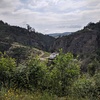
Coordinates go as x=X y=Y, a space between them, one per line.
x=29 y=28
x=93 y=67
x=65 y=71
x=7 y=65
x=30 y=76
x=87 y=88
x=37 y=70
x=19 y=53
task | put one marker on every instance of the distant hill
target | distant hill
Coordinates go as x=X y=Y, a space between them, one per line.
x=10 y=34
x=56 y=35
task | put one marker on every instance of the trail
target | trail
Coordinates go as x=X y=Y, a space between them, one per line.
x=41 y=56
x=42 y=53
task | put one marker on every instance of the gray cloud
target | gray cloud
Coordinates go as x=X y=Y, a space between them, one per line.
x=49 y=16
x=71 y=26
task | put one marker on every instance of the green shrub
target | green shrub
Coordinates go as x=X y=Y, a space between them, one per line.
x=20 y=78
x=87 y=87
x=65 y=71
x=97 y=85
x=93 y=67
x=7 y=66
x=30 y=76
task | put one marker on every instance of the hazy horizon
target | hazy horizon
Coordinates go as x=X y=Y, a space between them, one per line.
x=50 y=16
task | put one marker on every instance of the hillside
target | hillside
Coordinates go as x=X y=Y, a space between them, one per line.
x=10 y=34
x=85 y=42
x=81 y=42
x=25 y=72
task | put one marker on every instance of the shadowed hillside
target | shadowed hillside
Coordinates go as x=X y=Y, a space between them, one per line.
x=85 y=42
x=10 y=34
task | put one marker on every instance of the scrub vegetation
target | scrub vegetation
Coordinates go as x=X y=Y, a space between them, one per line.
x=61 y=80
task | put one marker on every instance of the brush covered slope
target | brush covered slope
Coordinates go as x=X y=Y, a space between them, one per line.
x=85 y=43
x=10 y=34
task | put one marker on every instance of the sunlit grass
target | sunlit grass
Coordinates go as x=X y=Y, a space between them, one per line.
x=25 y=95
x=12 y=94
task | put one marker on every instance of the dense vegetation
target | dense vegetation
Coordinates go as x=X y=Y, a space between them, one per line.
x=36 y=80
x=72 y=76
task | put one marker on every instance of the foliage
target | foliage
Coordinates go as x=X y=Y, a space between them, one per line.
x=97 y=85
x=37 y=70
x=31 y=76
x=19 y=53
x=63 y=73
x=87 y=87
x=7 y=65
x=25 y=95
x=93 y=67
x=62 y=78
x=19 y=78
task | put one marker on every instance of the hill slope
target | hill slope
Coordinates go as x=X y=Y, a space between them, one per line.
x=81 y=42
x=85 y=43
x=10 y=34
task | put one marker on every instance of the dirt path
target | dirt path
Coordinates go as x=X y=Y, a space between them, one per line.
x=42 y=53
x=41 y=56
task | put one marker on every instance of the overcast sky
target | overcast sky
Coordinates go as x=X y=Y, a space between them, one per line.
x=50 y=16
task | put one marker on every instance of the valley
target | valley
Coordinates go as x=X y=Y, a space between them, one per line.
x=53 y=67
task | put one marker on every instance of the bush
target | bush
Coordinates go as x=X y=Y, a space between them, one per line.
x=64 y=72
x=7 y=66
x=37 y=71
x=20 y=78
x=93 y=67
x=30 y=76
x=87 y=87
x=97 y=85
